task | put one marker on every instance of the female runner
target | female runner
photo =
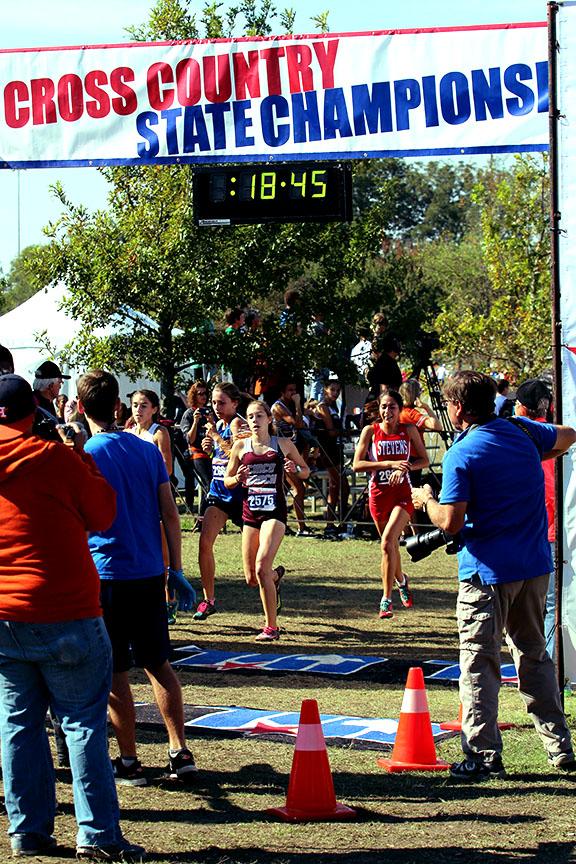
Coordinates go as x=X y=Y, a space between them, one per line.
x=145 y=414
x=223 y=503
x=257 y=465
x=389 y=450
x=145 y=406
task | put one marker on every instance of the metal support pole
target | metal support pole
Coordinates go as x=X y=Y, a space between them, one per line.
x=555 y=218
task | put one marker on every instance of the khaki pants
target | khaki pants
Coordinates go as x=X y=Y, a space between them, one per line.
x=516 y=610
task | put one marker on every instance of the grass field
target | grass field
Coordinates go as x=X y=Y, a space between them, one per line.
x=330 y=606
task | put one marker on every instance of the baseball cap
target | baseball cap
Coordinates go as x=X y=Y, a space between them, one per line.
x=17 y=406
x=532 y=392
x=48 y=369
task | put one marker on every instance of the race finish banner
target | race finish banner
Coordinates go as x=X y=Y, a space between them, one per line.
x=566 y=169
x=334 y=96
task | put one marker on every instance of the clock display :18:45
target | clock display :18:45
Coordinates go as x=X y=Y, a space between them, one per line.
x=268 y=185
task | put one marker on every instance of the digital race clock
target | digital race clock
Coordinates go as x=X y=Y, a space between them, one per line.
x=249 y=194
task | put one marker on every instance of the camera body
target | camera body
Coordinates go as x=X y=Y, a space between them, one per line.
x=422 y=545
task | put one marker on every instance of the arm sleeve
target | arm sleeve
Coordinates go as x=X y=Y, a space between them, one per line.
x=455 y=479
x=186 y=421
x=544 y=433
x=95 y=497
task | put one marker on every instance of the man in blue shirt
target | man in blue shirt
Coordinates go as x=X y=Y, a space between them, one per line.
x=128 y=557
x=493 y=495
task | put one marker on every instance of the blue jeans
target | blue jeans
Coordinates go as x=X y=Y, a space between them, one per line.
x=66 y=666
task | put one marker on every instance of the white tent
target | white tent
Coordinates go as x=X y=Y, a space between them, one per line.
x=21 y=332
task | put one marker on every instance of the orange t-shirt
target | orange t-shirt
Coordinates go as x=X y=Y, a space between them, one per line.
x=412 y=415
x=49 y=498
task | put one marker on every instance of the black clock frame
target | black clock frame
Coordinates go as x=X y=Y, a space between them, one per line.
x=208 y=212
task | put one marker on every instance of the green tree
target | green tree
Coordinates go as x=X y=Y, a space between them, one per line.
x=142 y=267
x=501 y=315
x=18 y=285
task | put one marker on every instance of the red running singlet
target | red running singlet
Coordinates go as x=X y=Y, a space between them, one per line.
x=384 y=497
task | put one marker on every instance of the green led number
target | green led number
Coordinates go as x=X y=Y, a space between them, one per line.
x=318 y=183
x=267 y=185
x=299 y=184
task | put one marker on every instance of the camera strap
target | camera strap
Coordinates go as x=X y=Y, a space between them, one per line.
x=520 y=425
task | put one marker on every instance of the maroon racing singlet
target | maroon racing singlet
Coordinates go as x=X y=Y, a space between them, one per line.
x=264 y=496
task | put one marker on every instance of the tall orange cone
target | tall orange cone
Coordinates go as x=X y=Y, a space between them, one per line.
x=414 y=748
x=311 y=795
x=456 y=725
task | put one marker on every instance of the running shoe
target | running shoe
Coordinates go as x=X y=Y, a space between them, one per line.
x=305 y=532
x=171 y=609
x=182 y=765
x=280 y=571
x=268 y=634
x=472 y=771
x=386 y=608
x=406 y=597
x=129 y=775
x=331 y=533
x=205 y=608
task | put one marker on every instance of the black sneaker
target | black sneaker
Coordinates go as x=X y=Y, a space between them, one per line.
x=131 y=775
x=331 y=533
x=31 y=845
x=121 y=851
x=182 y=766
x=563 y=761
x=471 y=771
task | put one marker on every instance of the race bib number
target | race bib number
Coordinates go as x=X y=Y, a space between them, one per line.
x=383 y=478
x=263 y=501
x=218 y=469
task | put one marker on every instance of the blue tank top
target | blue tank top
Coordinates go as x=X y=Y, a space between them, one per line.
x=219 y=464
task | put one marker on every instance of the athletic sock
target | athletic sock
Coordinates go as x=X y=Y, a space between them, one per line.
x=128 y=761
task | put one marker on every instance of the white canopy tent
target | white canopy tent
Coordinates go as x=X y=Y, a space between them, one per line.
x=23 y=329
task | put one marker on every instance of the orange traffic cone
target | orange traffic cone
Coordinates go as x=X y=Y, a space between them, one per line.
x=414 y=748
x=311 y=795
x=456 y=725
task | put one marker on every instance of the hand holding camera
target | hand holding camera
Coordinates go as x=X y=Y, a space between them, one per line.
x=73 y=435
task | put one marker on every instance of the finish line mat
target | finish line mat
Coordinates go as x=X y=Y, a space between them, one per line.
x=339 y=729
x=451 y=672
x=315 y=664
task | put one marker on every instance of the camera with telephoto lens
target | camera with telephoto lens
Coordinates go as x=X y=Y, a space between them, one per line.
x=422 y=545
x=46 y=427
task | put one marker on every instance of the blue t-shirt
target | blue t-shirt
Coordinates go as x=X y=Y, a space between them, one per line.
x=132 y=547
x=496 y=468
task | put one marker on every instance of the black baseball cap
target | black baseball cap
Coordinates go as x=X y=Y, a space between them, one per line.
x=48 y=369
x=17 y=406
x=532 y=392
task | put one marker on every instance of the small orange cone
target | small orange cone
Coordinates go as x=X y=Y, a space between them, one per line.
x=456 y=725
x=414 y=748
x=311 y=795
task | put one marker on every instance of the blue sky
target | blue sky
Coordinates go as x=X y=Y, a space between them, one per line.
x=38 y=23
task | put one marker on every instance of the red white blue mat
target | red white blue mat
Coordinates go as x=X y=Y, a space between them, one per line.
x=316 y=664
x=451 y=671
x=339 y=729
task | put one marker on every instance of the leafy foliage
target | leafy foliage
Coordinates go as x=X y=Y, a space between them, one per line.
x=18 y=286
x=500 y=315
